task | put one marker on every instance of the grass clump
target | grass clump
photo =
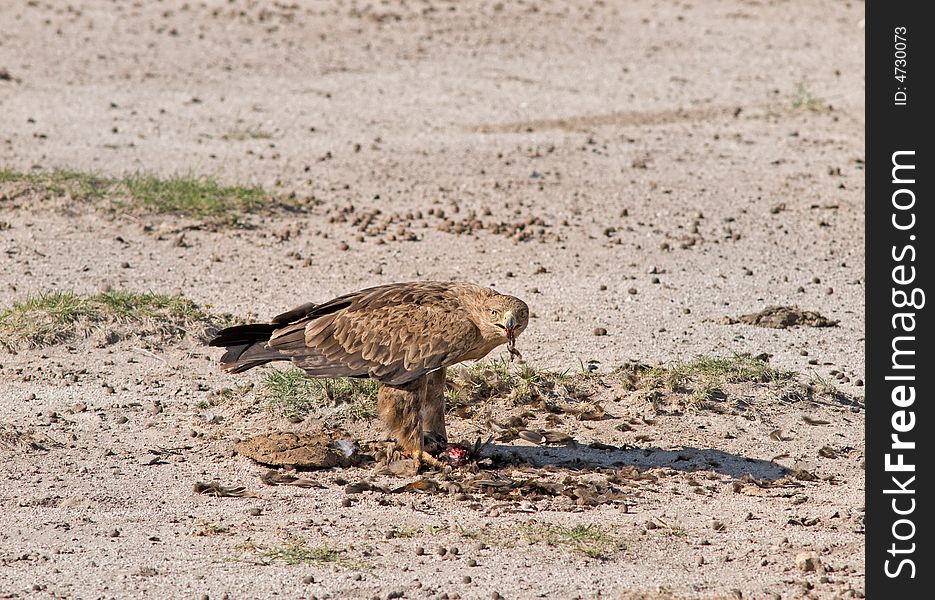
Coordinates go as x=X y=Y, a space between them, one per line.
x=522 y=384
x=702 y=379
x=296 y=551
x=590 y=540
x=293 y=393
x=183 y=195
x=191 y=196
x=57 y=317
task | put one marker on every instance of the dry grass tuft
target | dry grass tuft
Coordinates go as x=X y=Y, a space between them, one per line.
x=60 y=317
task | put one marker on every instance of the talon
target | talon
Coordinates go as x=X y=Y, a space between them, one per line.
x=430 y=460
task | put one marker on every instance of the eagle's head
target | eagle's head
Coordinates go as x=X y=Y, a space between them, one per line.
x=502 y=318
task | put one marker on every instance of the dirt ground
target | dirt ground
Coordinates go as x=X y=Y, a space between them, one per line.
x=639 y=167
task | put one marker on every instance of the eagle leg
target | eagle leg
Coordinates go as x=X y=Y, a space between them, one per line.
x=433 y=413
x=400 y=408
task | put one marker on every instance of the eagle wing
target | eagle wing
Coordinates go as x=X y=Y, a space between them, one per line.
x=393 y=333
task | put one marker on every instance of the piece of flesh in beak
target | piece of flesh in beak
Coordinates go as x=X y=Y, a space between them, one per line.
x=509 y=324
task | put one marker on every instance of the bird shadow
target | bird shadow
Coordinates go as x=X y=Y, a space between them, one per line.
x=579 y=457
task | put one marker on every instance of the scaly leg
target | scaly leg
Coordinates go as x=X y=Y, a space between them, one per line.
x=400 y=408
x=433 y=412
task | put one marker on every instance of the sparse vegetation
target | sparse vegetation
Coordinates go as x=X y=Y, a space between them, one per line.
x=702 y=379
x=253 y=133
x=590 y=540
x=206 y=528
x=816 y=388
x=295 y=551
x=293 y=393
x=58 y=317
x=804 y=99
x=522 y=384
x=185 y=195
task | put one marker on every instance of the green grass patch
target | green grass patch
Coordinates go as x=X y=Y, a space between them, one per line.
x=183 y=195
x=702 y=379
x=293 y=393
x=590 y=540
x=192 y=196
x=297 y=552
x=57 y=317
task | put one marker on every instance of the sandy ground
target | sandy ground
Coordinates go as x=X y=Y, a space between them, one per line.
x=647 y=168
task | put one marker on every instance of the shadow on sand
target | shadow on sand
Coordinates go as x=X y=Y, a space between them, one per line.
x=580 y=457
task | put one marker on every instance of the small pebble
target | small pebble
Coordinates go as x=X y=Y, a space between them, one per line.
x=255 y=511
x=829 y=291
x=420 y=551
x=115 y=533
x=442 y=551
x=472 y=563
x=346 y=502
x=454 y=550
x=807 y=561
x=599 y=331
x=632 y=291
x=466 y=579
x=308 y=579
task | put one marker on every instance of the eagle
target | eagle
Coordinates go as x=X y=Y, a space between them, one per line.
x=403 y=335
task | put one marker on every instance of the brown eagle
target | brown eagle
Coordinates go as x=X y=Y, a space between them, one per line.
x=403 y=335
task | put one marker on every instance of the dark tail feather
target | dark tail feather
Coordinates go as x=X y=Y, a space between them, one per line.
x=243 y=334
x=246 y=347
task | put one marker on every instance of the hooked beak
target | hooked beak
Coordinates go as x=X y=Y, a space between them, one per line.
x=509 y=324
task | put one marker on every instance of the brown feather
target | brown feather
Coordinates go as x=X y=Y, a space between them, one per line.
x=395 y=333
